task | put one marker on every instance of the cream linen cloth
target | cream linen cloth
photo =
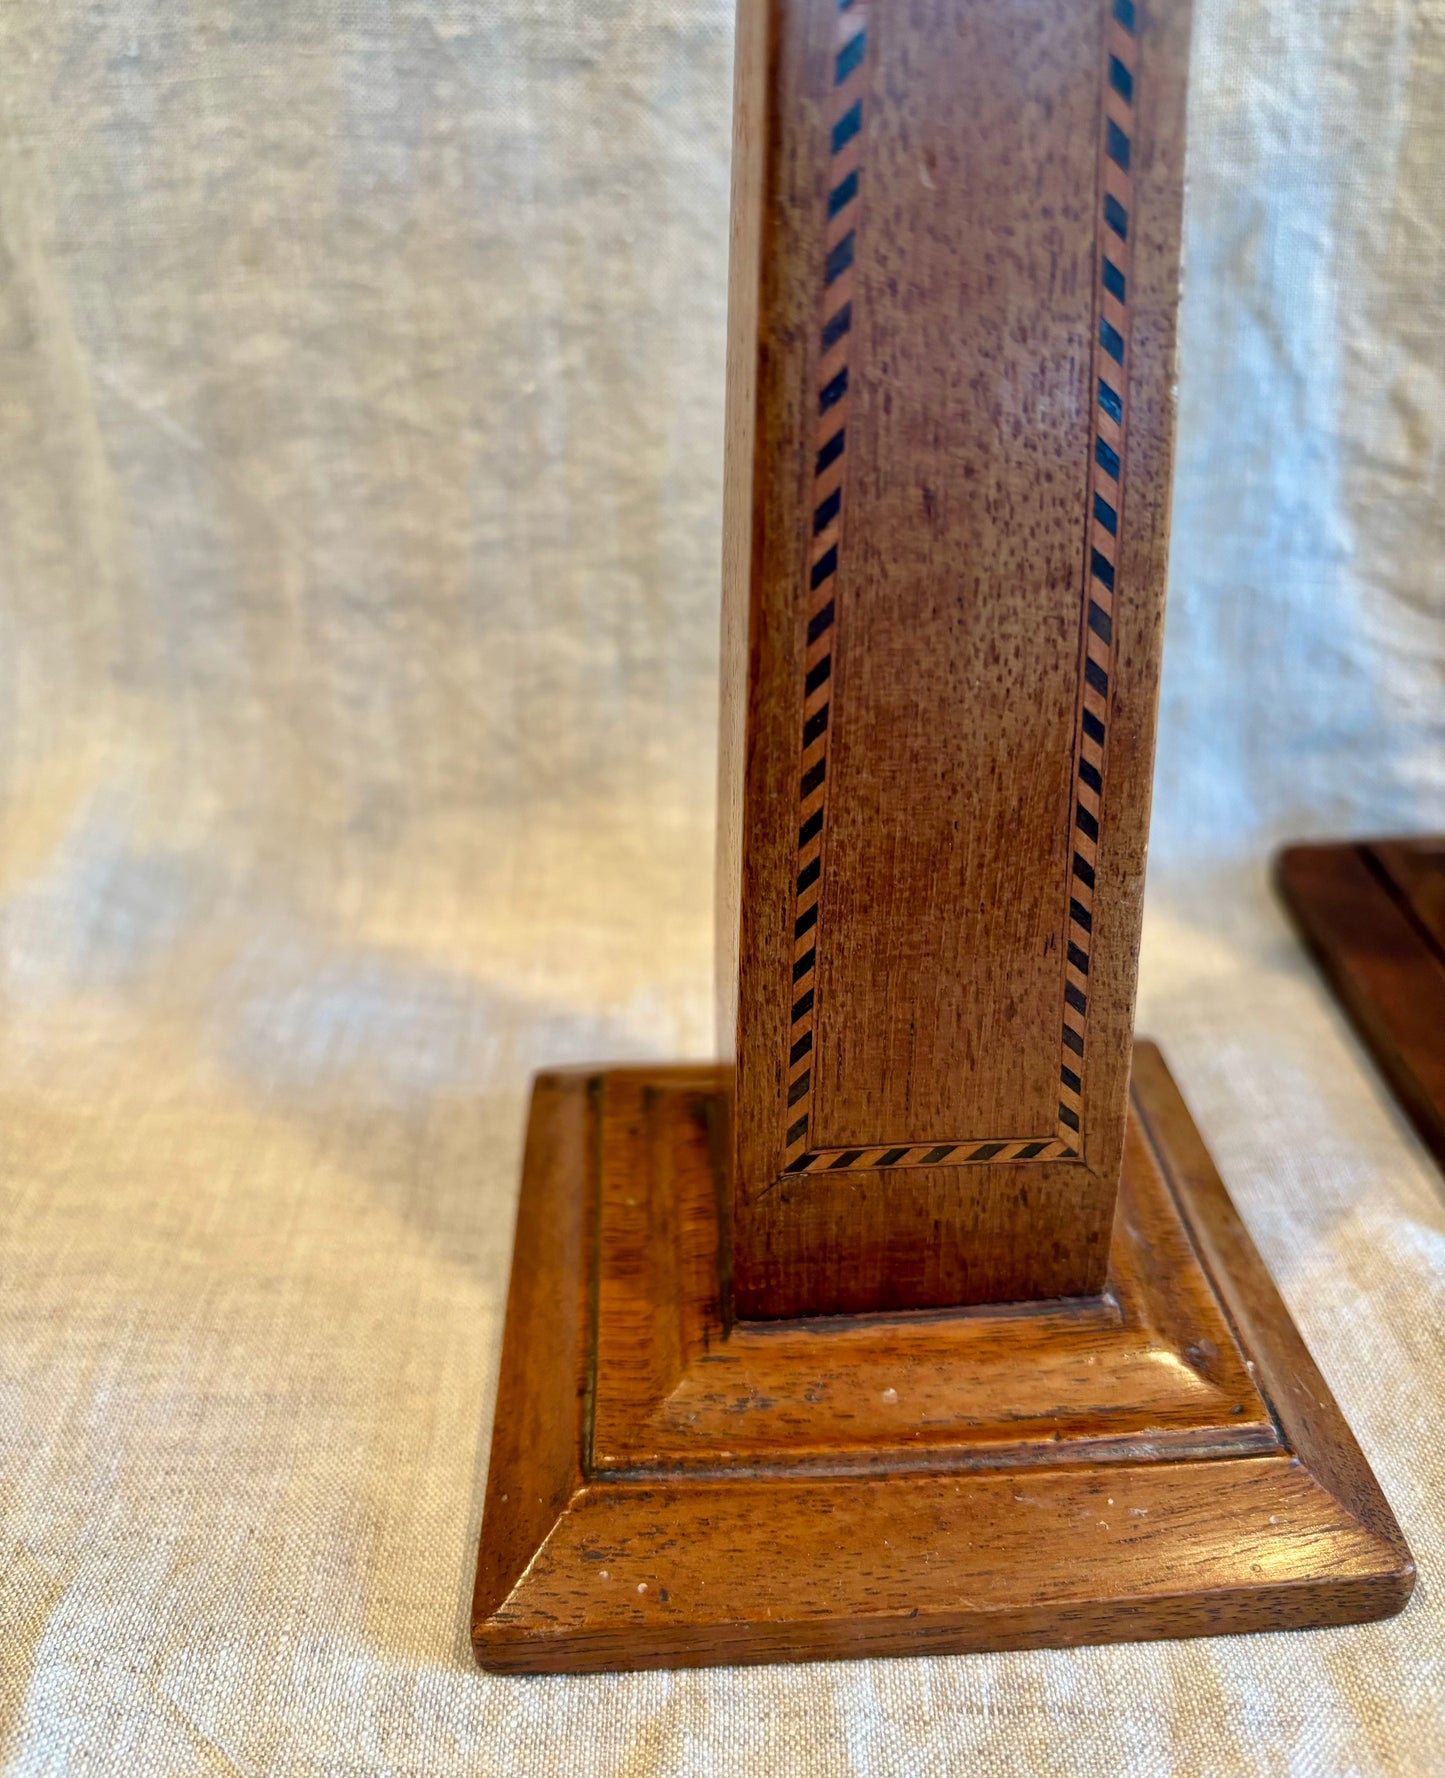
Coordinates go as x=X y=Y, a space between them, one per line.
x=360 y=432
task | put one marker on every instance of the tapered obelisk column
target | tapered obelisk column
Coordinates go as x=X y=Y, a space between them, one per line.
x=955 y=276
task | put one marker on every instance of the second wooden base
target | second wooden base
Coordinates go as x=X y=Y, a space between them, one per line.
x=1373 y=914
x=670 y=1490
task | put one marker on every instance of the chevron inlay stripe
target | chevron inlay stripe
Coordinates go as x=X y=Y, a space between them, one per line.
x=830 y=447
x=1105 y=524
x=939 y=1154
x=845 y=121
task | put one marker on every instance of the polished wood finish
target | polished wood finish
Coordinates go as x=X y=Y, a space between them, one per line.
x=667 y=1489
x=911 y=1326
x=1373 y=914
x=950 y=408
x=1414 y=870
x=676 y=1389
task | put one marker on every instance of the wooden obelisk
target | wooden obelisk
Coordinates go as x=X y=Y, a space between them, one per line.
x=912 y=1325
x=955 y=274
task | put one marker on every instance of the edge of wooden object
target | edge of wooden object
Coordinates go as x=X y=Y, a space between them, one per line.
x=580 y=1572
x=1380 y=963
x=1309 y=1416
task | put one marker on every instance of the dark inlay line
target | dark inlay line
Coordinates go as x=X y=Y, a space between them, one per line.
x=802 y=1046
x=826 y=511
x=843 y=193
x=1121 y=80
x=1091 y=775
x=813 y=777
x=799 y=1088
x=1123 y=11
x=824 y=566
x=797 y=1131
x=1073 y=1041
x=1093 y=728
x=1079 y=959
x=832 y=333
x=934 y=1155
x=820 y=675
x=849 y=58
x=809 y=958
x=1097 y=678
x=840 y=258
x=985 y=1151
x=1081 y=916
x=1069 y=1118
x=1071 y=1080
x=832 y=393
x=1084 y=871
x=1107 y=515
x=1111 y=402
x=802 y=1006
x=1102 y=569
x=815 y=726
x=1030 y=1149
x=805 y=921
x=809 y=875
x=810 y=829
x=1107 y=458
x=1116 y=216
x=892 y=1158
x=830 y=452
x=1118 y=146
x=848 y=125
x=820 y=621
x=1111 y=340
x=1100 y=622
x=1078 y=1001
x=1085 y=822
x=846 y=1159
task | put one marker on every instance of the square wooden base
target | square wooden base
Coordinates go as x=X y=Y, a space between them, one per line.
x=668 y=1490
x=1373 y=914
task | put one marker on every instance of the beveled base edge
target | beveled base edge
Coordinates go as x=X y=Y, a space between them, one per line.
x=580 y=1573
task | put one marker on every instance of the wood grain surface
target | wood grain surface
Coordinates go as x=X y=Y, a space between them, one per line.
x=1373 y=914
x=669 y=1490
x=956 y=245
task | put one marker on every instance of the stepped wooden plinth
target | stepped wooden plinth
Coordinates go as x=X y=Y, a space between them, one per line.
x=668 y=1489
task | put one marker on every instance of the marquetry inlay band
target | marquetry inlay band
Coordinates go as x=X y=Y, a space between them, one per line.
x=845 y=117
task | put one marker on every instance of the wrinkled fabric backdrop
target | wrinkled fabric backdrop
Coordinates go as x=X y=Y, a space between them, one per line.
x=361 y=374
